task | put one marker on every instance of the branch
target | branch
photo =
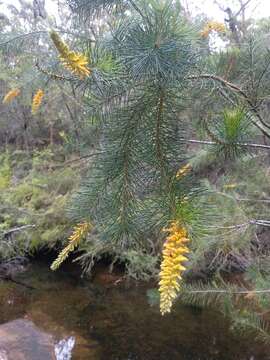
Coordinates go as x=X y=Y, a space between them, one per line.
x=224 y=291
x=243 y=6
x=74 y=160
x=135 y=7
x=22 y=36
x=206 y=142
x=244 y=225
x=17 y=229
x=267 y=201
x=239 y=91
x=52 y=75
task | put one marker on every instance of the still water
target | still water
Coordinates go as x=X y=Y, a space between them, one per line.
x=65 y=317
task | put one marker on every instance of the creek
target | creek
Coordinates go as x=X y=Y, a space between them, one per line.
x=67 y=317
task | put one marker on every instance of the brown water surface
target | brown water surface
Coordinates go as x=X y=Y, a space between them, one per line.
x=108 y=320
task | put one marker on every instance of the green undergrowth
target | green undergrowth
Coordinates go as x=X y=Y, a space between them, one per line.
x=35 y=189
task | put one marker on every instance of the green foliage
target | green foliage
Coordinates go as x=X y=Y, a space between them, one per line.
x=92 y=8
x=139 y=265
x=129 y=191
x=5 y=172
x=231 y=131
x=37 y=196
x=154 y=87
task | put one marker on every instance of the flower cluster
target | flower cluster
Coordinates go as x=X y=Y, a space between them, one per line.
x=71 y=60
x=79 y=232
x=36 y=102
x=174 y=254
x=212 y=26
x=183 y=171
x=11 y=95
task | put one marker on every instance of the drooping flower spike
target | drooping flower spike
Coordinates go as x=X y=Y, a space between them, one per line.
x=37 y=100
x=174 y=255
x=11 y=95
x=79 y=232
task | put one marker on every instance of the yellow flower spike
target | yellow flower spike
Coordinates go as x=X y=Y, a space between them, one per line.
x=37 y=100
x=171 y=266
x=230 y=186
x=11 y=95
x=71 y=60
x=79 y=232
x=212 y=26
x=183 y=171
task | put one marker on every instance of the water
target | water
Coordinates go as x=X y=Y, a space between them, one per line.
x=66 y=317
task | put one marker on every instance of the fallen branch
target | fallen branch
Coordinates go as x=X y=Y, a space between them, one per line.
x=17 y=229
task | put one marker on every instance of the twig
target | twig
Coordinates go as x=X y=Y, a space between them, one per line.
x=74 y=160
x=267 y=201
x=224 y=291
x=242 y=93
x=22 y=36
x=206 y=142
x=245 y=224
x=243 y=6
x=18 y=229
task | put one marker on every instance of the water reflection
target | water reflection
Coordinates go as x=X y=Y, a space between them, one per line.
x=63 y=349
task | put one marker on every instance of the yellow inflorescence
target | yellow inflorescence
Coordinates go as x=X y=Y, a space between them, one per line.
x=71 y=60
x=79 y=232
x=230 y=186
x=174 y=254
x=212 y=26
x=36 y=102
x=183 y=171
x=11 y=95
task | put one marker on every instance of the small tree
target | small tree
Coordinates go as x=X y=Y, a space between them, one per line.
x=144 y=78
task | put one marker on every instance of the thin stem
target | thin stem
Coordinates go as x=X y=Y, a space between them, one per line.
x=242 y=93
x=135 y=7
x=224 y=291
x=243 y=225
x=23 y=36
x=160 y=106
x=206 y=142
